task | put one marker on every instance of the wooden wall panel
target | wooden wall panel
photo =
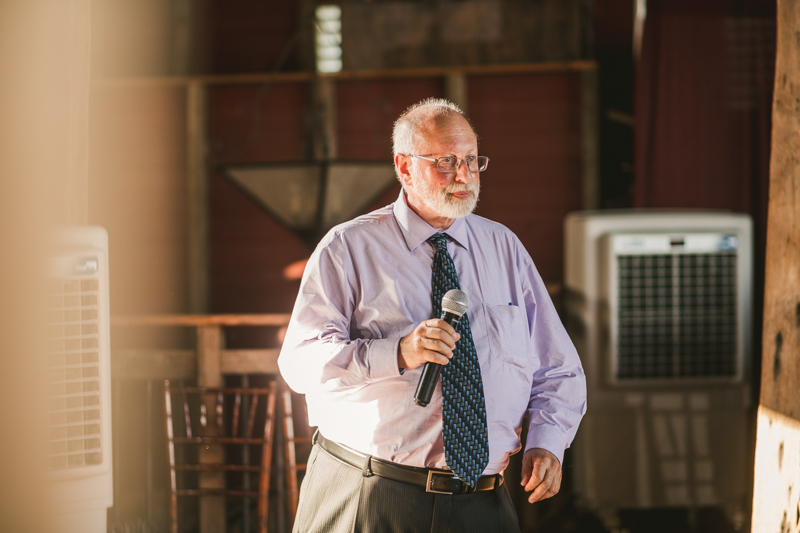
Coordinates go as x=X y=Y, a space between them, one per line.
x=249 y=252
x=366 y=112
x=249 y=249
x=251 y=35
x=257 y=123
x=529 y=125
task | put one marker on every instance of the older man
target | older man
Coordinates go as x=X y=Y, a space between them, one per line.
x=367 y=321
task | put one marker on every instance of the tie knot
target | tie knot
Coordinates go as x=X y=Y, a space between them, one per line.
x=439 y=240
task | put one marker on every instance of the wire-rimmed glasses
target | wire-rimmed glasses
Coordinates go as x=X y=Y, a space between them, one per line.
x=450 y=163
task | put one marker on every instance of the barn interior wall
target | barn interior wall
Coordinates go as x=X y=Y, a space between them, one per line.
x=529 y=124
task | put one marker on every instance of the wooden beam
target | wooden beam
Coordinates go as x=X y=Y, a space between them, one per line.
x=400 y=73
x=776 y=494
x=277 y=319
x=474 y=70
x=217 y=79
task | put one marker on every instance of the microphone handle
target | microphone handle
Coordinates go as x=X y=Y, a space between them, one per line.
x=430 y=372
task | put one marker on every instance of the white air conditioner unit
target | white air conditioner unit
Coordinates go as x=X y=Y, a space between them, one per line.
x=79 y=380
x=659 y=305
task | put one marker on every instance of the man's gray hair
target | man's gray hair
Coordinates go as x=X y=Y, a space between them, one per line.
x=408 y=127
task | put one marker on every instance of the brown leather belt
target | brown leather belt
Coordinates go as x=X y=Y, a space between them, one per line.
x=437 y=481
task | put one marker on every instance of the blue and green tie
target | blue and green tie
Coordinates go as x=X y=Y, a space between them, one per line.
x=466 y=442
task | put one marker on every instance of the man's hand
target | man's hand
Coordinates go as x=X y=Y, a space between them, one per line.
x=433 y=340
x=541 y=473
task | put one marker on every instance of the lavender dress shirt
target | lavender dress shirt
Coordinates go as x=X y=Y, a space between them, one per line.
x=368 y=284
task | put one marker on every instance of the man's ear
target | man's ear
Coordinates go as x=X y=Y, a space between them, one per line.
x=403 y=163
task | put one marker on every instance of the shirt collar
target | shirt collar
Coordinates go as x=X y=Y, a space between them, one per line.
x=416 y=231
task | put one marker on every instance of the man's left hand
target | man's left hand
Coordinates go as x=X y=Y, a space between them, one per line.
x=541 y=473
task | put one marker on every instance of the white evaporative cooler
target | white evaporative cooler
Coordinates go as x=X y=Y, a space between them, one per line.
x=79 y=380
x=659 y=305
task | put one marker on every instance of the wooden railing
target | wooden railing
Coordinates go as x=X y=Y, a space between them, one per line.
x=209 y=361
x=205 y=365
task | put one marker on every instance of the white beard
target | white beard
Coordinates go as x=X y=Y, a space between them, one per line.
x=443 y=204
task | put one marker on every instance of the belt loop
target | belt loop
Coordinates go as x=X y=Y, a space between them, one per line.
x=366 y=471
x=314 y=438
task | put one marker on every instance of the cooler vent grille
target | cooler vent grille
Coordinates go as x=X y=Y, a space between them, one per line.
x=74 y=399
x=677 y=316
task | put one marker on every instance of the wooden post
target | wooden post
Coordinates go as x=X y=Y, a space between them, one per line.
x=455 y=89
x=776 y=494
x=197 y=196
x=326 y=145
x=590 y=139
x=212 y=509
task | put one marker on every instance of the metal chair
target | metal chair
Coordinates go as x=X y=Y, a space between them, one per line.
x=294 y=470
x=214 y=432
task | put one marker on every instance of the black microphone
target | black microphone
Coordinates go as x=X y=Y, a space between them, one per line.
x=454 y=305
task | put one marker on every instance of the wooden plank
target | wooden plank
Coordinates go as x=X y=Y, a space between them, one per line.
x=776 y=501
x=197 y=196
x=153 y=364
x=278 y=319
x=302 y=77
x=250 y=361
x=476 y=70
x=219 y=79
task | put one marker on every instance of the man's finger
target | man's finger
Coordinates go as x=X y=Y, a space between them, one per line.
x=435 y=357
x=548 y=488
x=438 y=324
x=537 y=475
x=542 y=491
x=448 y=337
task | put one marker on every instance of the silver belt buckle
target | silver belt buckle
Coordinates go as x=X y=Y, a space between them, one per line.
x=430 y=481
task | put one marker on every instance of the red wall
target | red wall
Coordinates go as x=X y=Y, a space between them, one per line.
x=530 y=128
x=528 y=124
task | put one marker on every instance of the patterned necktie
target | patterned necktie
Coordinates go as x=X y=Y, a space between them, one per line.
x=466 y=442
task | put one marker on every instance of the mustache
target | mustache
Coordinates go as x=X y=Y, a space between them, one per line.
x=462 y=187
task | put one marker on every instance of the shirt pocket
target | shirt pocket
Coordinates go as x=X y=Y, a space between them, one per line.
x=507 y=332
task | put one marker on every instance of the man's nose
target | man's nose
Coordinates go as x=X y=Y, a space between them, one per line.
x=462 y=172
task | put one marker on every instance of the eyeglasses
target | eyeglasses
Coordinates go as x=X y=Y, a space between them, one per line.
x=450 y=163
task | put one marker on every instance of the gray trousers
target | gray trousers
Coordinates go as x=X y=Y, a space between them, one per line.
x=337 y=498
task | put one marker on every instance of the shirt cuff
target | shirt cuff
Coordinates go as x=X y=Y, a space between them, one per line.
x=549 y=438
x=383 y=359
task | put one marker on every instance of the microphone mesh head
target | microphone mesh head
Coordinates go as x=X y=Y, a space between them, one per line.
x=455 y=302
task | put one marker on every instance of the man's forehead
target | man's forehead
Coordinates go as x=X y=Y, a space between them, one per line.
x=447 y=129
